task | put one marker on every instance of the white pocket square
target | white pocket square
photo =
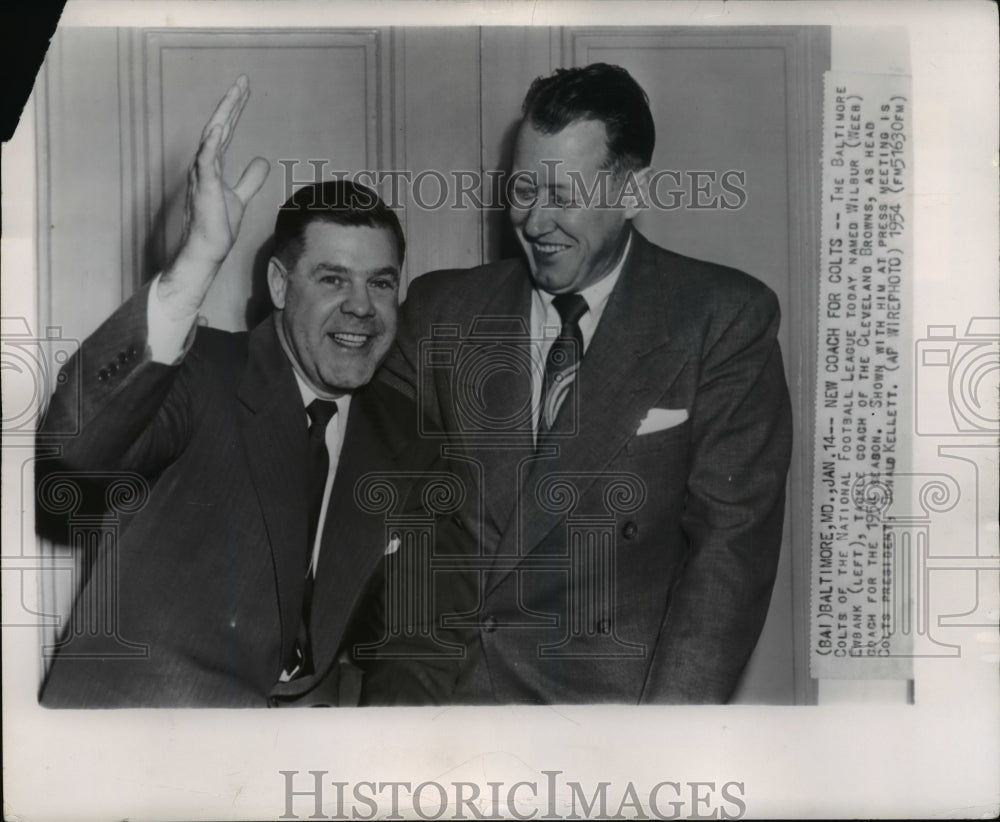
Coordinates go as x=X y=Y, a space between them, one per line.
x=659 y=419
x=392 y=547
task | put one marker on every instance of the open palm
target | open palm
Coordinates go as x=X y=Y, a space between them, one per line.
x=214 y=210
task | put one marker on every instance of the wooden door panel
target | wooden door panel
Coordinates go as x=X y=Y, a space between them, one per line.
x=314 y=97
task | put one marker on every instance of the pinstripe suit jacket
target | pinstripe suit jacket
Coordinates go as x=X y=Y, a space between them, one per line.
x=207 y=576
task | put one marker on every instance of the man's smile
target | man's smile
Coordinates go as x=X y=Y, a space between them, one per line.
x=350 y=339
x=541 y=250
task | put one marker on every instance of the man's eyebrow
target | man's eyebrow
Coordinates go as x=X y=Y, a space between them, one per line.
x=332 y=268
x=336 y=268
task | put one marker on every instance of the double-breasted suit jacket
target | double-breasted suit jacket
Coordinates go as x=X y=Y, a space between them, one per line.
x=630 y=556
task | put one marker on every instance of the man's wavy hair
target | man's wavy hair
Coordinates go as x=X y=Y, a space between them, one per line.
x=600 y=92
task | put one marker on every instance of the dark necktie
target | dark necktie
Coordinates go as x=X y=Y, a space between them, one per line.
x=318 y=460
x=563 y=359
x=320 y=413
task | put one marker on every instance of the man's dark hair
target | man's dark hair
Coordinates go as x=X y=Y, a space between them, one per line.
x=333 y=201
x=601 y=92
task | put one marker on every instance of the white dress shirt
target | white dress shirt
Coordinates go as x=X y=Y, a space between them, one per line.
x=546 y=323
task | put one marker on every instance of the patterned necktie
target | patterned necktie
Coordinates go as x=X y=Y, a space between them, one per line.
x=563 y=359
x=318 y=460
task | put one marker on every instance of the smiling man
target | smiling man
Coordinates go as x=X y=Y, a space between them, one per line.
x=334 y=282
x=240 y=574
x=630 y=478
x=571 y=214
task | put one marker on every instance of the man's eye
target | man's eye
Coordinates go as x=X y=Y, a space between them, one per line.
x=383 y=284
x=331 y=279
x=524 y=195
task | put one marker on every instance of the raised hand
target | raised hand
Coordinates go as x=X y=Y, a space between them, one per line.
x=213 y=210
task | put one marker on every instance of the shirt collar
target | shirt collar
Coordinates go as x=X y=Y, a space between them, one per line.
x=306 y=391
x=308 y=394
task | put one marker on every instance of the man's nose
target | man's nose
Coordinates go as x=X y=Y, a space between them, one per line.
x=358 y=302
x=539 y=219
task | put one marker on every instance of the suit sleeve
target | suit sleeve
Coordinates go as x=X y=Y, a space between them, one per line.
x=733 y=516
x=115 y=408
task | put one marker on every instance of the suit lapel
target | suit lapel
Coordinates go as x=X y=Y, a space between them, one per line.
x=354 y=540
x=273 y=425
x=629 y=364
x=493 y=441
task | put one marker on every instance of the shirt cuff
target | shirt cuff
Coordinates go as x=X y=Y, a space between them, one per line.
x=169 y=339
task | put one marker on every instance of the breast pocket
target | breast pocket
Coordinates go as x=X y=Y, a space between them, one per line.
x=674 y=437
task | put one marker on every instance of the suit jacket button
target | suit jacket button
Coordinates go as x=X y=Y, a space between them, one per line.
x=131 y=351
x=630 y=530
x=490 y=624
x=122 y=357
x=112 y=368
x=273 y=701
x=102 y=375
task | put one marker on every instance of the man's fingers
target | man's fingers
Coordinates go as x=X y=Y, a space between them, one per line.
x=237 y=110
x=223 y=111
x=205 y=163
x=252 y=179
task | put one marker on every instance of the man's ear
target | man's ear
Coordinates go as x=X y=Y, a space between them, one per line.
x=635 y=191
x=277 y=281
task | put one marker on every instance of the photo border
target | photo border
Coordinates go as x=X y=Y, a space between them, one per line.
x=863 y=751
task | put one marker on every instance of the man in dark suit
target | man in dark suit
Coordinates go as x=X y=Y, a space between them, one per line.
x=240 y=573
x=623 y=418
